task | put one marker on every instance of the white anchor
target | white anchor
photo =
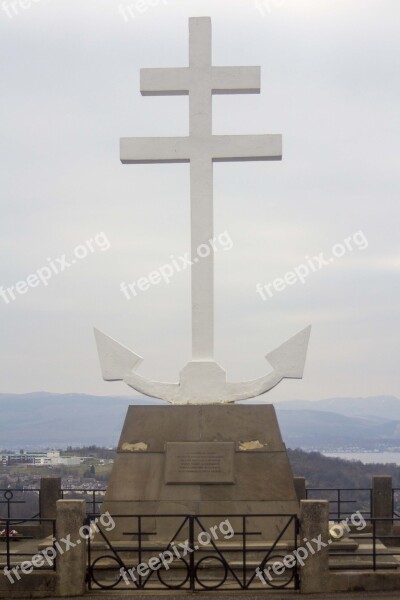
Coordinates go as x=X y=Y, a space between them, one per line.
x=202 y=380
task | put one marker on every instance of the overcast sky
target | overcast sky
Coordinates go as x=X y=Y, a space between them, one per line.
x=69 y=73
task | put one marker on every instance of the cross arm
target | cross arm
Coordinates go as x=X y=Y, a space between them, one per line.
x=154 y=150
x=246 y=147
x=165 y=82
x=235 y=80
x=177 y=82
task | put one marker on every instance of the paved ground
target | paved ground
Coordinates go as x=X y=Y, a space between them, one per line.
x=245 y=595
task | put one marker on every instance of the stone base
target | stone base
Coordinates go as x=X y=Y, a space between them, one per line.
x=200 y=459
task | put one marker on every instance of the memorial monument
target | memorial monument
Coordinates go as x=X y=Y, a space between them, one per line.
x=207 y=455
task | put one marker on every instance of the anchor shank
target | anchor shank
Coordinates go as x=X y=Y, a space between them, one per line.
x=201 y=182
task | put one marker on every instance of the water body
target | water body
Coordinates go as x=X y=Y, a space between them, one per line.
x=367 y=457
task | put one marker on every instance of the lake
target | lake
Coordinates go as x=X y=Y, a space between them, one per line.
x=367 y=457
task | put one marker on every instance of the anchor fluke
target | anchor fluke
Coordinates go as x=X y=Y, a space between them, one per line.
x=290 y=357
x=202 y=382
x=115 y=360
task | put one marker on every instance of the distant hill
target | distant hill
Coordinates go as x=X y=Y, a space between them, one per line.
x=323 y=472
x=384 y=407
x=367 y=423
x=311 y=429
x=42 y=419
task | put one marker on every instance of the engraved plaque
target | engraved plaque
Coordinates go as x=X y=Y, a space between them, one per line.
x=199 y=462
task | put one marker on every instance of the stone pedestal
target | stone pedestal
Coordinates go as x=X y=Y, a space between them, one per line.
x=50 y=493
x=71 y=565
x=300 y=487
x=314 y=519
x=200 y=459
x=382 y=504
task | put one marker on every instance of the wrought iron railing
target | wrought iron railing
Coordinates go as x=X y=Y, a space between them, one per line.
x=343 y=501
x=10 y=558
x=377 y=549
x=256 y=543
x=12 y=499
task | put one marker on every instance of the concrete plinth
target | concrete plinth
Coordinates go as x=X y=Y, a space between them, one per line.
x=71 y=564
x=50 y=493
x=382 y=504
x=219 y=459
x=314 y=519
x=300 y=487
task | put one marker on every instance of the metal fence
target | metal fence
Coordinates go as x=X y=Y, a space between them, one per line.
x=16 y=503
x=194 y=558
x=13 y=503
x=215 y=565
x=376 y=549
x=343 y=502
x=10 y=538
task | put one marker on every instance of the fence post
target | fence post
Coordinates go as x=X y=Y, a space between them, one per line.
x=50 y=492
x=300 y=487
x=314 y=523
x=71 y=564
x=382 y=503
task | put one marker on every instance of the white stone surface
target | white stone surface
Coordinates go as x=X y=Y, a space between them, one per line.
x=202 y=380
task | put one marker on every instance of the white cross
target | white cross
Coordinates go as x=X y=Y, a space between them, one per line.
x=201 y=148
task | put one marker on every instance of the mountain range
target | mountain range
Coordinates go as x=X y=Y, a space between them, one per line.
x=43 y=419
x=346 y=423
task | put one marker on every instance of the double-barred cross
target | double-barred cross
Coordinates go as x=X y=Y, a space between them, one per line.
x=200 y=80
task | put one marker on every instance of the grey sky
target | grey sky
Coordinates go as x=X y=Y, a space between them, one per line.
x=70 y=88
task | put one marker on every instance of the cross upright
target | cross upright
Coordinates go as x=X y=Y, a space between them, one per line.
x=200 y=80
